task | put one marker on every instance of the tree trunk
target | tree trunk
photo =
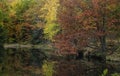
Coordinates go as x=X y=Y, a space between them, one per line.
x=103 y=38
x=103 y=43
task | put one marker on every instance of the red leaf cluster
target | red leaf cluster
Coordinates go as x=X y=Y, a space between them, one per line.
x=81 y=21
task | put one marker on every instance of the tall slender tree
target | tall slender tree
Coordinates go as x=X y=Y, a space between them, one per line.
x=50 y=9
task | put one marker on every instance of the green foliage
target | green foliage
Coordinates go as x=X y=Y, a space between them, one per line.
x=116 y=74
x=4 y=9
x=48 y=68
x=105 y=72
x=1 y=15
x=19 y=18
x=21 y=21
x=50 y=30
x=20 y=6
x=2 y=35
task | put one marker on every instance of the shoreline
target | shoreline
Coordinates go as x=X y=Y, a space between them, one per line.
x=38 y=46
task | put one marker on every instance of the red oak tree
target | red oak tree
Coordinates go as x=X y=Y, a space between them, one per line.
x=86 y=24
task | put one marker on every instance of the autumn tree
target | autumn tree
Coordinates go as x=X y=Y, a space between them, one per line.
x=49 y=10
x=86 y=24
x=73 y=35
x=19 y=21
x=23 y=19
x=4 y=9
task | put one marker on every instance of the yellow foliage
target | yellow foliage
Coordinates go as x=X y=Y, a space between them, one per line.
x=51 y=7
x=48 y=68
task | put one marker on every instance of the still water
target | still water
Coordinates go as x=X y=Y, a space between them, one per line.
x=35 y=62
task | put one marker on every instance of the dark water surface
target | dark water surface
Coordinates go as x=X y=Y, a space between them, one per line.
x=35 y=62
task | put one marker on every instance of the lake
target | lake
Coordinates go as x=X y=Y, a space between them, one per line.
x=37 y=62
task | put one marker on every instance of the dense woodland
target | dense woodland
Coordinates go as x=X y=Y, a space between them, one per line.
x=80 y=28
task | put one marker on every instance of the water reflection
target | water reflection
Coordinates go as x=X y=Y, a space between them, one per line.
x=48 y=68
x=35 y=62
x=21 y=62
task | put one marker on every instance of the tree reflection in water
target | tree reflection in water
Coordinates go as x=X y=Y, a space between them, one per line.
x=21 y=62
x=35 y=62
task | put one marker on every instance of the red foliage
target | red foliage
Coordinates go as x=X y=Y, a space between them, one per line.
x=82 y=21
